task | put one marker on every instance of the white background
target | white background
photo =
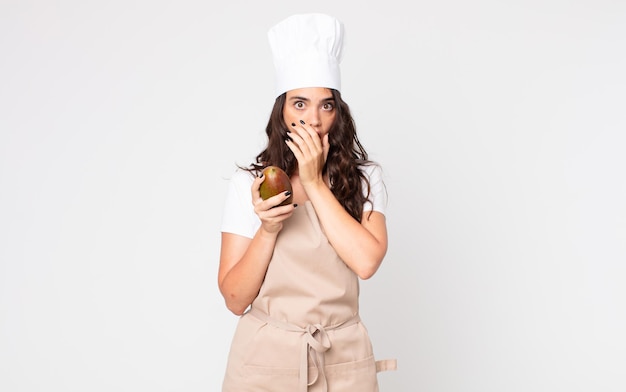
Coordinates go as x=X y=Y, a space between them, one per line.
x=500 y=126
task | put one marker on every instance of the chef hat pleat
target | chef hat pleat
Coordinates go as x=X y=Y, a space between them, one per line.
x=307 y=51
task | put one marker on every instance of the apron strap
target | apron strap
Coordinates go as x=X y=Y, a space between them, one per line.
x=386 y=364
x=315 y=342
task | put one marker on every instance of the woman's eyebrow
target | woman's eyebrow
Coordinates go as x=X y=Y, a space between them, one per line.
x=296 y=98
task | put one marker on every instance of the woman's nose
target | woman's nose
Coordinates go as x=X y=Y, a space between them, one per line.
x=314 y=119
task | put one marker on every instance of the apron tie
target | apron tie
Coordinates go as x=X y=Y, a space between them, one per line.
x=315 y=342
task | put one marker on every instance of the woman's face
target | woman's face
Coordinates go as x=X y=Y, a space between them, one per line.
x=313 y=105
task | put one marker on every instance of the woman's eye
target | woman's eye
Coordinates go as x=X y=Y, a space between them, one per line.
x=299 y=105
x=328 y=106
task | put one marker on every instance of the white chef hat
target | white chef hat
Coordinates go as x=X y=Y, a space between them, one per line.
x=307 y=50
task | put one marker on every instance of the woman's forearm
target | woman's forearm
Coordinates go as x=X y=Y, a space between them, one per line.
x=244 y=274
x=362 y=246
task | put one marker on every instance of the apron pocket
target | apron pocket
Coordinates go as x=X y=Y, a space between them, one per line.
x=270 y=379
x=353 y=376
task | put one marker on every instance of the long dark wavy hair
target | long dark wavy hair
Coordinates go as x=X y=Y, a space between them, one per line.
x=345 y=156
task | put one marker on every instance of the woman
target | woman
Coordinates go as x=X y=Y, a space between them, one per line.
x=292 y=271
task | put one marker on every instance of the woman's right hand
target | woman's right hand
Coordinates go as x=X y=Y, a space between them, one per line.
x=269 y=212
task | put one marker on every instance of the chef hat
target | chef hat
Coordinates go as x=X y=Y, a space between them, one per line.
x=307 y=50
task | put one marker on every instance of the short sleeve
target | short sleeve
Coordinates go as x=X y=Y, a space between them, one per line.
x=238 y=216
x=378 y=191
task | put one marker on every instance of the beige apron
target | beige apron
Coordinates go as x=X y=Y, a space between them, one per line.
x=303 y=331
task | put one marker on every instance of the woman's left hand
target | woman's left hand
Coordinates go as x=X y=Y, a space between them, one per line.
x=310 y=150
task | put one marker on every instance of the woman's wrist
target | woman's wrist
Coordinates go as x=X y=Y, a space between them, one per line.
x=314 y=185
x=268 y=234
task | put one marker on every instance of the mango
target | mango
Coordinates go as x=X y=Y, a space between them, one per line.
x=276 y=181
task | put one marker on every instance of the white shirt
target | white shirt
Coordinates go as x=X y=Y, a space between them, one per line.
x=239 y=217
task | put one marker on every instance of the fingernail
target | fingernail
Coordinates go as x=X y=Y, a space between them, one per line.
x=295 y=205
x=301 y=122
x=260 y=175
x=293 y=124
x=287 y=193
